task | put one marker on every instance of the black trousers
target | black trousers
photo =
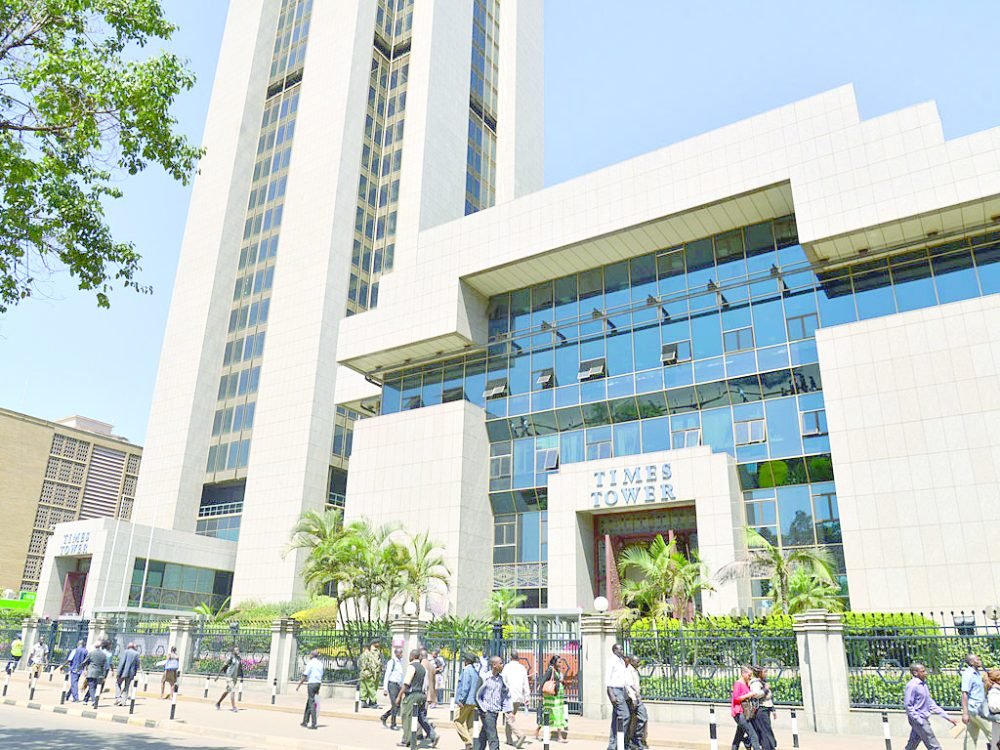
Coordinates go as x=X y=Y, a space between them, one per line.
x=488 y=732
x=762 y=723
x=745 y=729
x=312 y=697
x=393 y=711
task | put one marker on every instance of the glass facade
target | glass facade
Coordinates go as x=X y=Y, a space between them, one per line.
x=381 y=154
x=164 y=585
x=480 y=179
x=232 y=424
x=710 y=344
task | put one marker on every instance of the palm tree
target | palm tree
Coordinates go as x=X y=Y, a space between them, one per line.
x=669 y=583
x=806 y=592
x=501 y=602
x=764 y=560
x=691 y=580
x=214 y=614
x=425 y=569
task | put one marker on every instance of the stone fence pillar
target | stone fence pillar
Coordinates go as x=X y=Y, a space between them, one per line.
x=182 y=638
x=29 y=637
x=409 y=631
x=823 y=668
x=98 y=630
x=284 y=652
x=597 y=637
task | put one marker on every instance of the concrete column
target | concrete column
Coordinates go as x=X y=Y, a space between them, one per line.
x=99 y=629
x=182 y=638
x=823 y=669
x=284 y=652
x=597 y=636
x=411 y=630
x=29 y=636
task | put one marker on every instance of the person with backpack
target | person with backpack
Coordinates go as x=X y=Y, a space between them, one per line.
x=233 y=670
x=469 y=683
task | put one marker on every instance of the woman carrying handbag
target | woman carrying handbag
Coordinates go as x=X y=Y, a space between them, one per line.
x=553 y=710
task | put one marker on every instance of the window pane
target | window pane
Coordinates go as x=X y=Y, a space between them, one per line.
x=795 y=512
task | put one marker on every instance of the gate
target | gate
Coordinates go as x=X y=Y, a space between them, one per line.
x=213 y=642
x=150 y=634
x=339 y=649
x=61 y=637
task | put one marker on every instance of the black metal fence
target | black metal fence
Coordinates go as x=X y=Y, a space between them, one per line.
x=61 y=637
x=149 y=634
x=9 y=630
x=339 y=649
x=700 y=661
x=881 y=648
x=213 y=642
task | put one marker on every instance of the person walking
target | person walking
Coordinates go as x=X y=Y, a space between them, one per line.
x=36 y=660
x=371 y=668
x=765 y=707
x=16 y=652
x=465 y=698
x=743 y=710
x=105 y=648
x=919 y=706
x=991 y=681
x=430 y=689
x=640 y=718
x=439 y=674
x=233 y=670
x=493 y=698
x=74 y=663
x=392 y=683
x=128 y=668
x=553 y=702
x=96 y=664
x=516 y=677
x=313 y=676
x=412 y=698
x=615 y=684
x=171 y=670
x=974 y=707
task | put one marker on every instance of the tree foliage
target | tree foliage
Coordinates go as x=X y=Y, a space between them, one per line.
x=80 y=107
x=668 y=584
x=764 y=560
x=501 y=602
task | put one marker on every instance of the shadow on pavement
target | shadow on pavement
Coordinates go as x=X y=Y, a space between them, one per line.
x=43 y=738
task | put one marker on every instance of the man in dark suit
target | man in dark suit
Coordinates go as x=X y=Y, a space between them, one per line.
x=128 y=667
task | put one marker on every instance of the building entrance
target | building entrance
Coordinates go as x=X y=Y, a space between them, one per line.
x=615 y=532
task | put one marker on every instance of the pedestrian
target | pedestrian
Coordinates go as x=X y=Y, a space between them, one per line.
x=974 y=707
x=553 y=702
x=640 y=718
x=233 y=670
x=313 y=675
x=615 y=684
x=171 y=670
x=16 y=652
x=991 y=681
x=743 y=709
x=439 y=676
x=74 y=663
x=36 y=659
x=919 y=706
x=392 y=684
x=128 y=667
x=430 y=687
x=412 y=698
x=469 y=682
x=96 y=664
x=765 y=707
x=371 y=668
x=516 y=677
x=492 y=698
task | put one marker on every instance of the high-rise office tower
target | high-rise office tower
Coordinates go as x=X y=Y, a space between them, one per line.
x=336 y=132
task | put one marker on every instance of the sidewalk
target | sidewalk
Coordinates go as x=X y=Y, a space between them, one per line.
x=260 y=724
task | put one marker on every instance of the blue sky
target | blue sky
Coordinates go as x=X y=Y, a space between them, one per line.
x=621 y=79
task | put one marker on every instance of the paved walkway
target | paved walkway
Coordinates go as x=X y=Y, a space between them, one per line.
x=258 y=723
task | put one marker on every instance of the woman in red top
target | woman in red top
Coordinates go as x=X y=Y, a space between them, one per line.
x=741 y=694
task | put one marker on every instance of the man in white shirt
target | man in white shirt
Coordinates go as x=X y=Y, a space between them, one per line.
x=392 y=683
x=615 y=682
x=39 y=652
x=640 y=719
x=516 y=677
x=313 y=675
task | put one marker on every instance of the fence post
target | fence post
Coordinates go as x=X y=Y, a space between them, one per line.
x=826 y=694
x=29 y=636
x=597 y=634
x=282 y=662
x=182 y=638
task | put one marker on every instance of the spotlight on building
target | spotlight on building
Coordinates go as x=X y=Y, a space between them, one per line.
x=601 y=604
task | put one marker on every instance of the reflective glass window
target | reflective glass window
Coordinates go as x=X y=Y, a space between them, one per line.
x=955 y=277
x=872 y=291
x=783 y=434
x=655 y=434
x=626 y=439
x=911 y=281
x=795 y=514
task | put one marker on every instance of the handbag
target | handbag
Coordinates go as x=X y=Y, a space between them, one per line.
x=550 y=688
x=750 y=708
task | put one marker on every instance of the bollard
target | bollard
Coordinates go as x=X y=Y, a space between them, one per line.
x=239 y=692
x=451 y=710
x=6 y=683
x=98 y=689
x=31 y=687
x=413 y=738
x=274 y=691
x=795 y=730
x=886 y=731
x=206 y=688
x=546 y=731
x=357 y=699
x=65 y=690
x=145 y=681
x=131 y=697
x=173 y=701
x=477 y=727
x=52 y=671
x=713 y=729
x=619 y=734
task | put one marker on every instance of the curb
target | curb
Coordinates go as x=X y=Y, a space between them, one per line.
x=84 y=713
